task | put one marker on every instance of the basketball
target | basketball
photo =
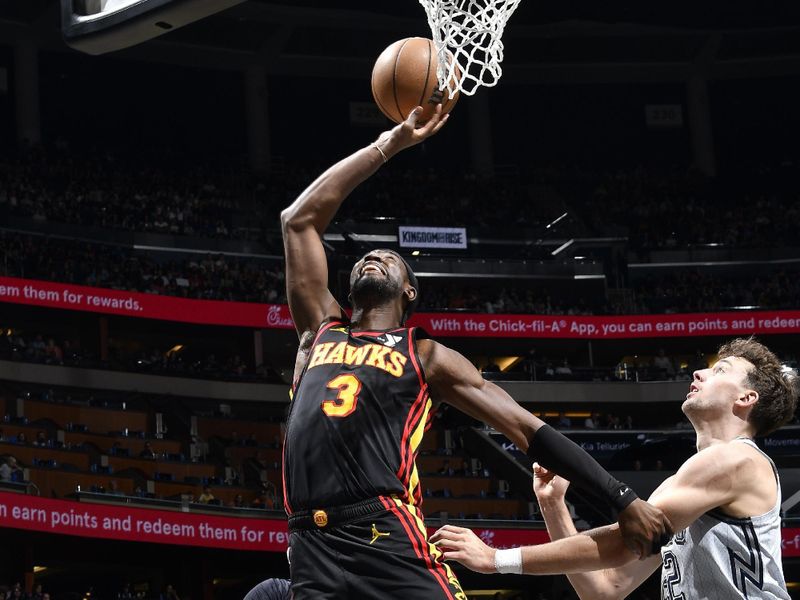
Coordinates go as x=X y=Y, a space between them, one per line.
x=404 y=76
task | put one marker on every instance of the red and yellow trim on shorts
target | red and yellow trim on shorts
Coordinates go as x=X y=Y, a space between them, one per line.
x=413 y=523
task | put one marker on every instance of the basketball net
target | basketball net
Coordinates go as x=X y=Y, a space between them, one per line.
x=470 y=30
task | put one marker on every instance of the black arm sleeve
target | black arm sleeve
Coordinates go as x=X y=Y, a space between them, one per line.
x=556 y=453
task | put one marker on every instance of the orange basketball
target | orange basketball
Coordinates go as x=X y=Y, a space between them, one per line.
x=404 y=76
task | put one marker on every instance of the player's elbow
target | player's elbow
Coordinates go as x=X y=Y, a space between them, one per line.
x=288 y=216
x=291 y=221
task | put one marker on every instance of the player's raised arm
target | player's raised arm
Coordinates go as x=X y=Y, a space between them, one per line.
x=306 y=219
x=453 y=379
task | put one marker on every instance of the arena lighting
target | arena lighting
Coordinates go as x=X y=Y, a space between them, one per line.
x=563 y=216
x=563 y=246
x=506 y=362
x=39 y=569
x=100 y=26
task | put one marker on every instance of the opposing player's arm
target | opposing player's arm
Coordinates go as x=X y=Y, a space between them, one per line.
x=453 y=379
x=606 y=584
x=710 y=479
x=305 y=220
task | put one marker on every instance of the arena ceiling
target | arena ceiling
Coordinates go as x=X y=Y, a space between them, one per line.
x=544 y=40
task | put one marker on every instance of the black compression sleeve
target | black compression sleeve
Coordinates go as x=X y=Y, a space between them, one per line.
x=562 y=456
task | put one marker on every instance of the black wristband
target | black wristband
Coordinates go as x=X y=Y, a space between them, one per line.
x=556 y=453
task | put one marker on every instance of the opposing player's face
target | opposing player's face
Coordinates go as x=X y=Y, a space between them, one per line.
x=719 y=387
x=378 y=277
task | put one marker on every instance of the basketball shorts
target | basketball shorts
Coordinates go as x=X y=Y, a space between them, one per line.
x=376 y=549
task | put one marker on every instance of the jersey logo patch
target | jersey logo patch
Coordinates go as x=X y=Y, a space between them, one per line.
x=387 y=339
x=377 y=534
x=748 y=569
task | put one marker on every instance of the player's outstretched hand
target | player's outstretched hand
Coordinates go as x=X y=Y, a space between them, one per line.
x=644 y=528
x=463 y=546
x=548 y=486
x=409 y=133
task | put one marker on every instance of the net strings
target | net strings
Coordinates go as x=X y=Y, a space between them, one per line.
x=467 y=34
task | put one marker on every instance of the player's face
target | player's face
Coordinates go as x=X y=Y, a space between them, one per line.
x=719 y=387
x=378 y=277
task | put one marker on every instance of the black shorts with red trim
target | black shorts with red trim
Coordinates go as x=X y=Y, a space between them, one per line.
x=380 y=555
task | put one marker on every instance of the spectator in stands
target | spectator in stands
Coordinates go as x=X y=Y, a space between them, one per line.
x=113 y=488
x=446 y=468
x=563 y=370
x=125 y=593
x=238 y=501
x=206 y=497
x=267 y=497
x=37 y=592
x=22 y=438
x=169 y=593
x=53 y=353
x=147 y=452
x=491 y=367
x=16 y=592
x=683 y=374
x=698 y=362
x=564 y=422
x=251 y=440
x=592 y=421
x=530 y=364
x=42 y=440
x=37 y=348
x=663 y=363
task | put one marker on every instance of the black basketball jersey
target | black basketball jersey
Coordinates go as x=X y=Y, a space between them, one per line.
x=358 y=414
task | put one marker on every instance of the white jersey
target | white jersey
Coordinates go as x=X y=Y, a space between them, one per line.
x=723 y=558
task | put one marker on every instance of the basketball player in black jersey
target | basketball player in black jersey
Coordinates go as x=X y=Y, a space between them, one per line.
x=363 y=392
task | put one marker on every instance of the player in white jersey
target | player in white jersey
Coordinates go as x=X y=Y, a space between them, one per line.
x=724 y=502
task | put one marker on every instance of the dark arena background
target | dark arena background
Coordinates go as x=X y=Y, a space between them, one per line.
x=624 y=200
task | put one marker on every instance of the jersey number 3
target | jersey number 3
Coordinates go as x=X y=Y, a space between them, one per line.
x=346 y=400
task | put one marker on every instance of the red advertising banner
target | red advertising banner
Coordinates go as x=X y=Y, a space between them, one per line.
x=276 y=316
x=120 y=522
x=618 y=326
x=147 y=306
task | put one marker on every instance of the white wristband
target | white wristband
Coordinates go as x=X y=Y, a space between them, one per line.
x=508 y=561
